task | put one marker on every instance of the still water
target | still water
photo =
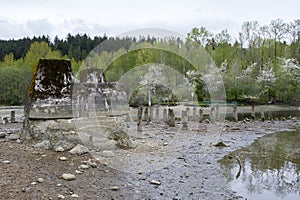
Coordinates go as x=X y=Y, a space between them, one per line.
x=267 y=169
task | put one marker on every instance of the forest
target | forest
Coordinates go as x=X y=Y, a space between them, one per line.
x=260 y=65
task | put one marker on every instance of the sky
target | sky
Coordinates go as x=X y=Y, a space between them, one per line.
x=19 y=18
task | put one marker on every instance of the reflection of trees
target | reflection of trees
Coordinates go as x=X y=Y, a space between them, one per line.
x=270 y=163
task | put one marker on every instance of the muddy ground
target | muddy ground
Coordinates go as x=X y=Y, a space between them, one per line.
x=26 y=173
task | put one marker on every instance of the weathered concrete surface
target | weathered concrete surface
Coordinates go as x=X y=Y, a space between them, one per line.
x=50 y=92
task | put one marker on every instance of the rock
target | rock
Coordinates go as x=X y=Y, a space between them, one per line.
x=154 y=182
x=59 y=149
x=18 y=141
x=58 y=184
x=114 y=188
x=83 y=167
x=107 y=153
x=68 y=177
x=79 y=150
x=63 y=158
x=78 y=172
x=74 y=196
x=221 y=144
x=42 y=145
x=40 y=180
x=33 y=183
x=2 y=135
x=60 y=196
x=91 y=163
x=6 y=162
x=14 y=136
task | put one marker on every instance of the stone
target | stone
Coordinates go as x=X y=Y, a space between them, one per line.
x=2 y=135
x=63 y=158
x=60 y=196
x=83 y=166
x=6 y=162
x=74 y=196
x=184 y=120
x=154 y=182
x=43 y=145
x=68 y=177
x=79 y=150
x=14 y=136
x=40 y=180
x=114 y=188
x=107 y=153
x=78 y=172
x=59 y=149
x=221 y=144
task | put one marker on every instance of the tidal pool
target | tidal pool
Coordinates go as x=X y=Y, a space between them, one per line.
x=267 y=169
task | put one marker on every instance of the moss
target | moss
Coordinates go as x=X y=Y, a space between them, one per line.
x=54 y=78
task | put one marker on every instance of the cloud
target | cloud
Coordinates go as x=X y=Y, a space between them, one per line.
x=39 y=27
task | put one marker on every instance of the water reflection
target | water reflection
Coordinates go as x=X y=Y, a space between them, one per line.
x=267 y=169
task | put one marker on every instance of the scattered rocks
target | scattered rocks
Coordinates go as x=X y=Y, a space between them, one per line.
x=79 y=150
x=68 y=177
x=154 y=182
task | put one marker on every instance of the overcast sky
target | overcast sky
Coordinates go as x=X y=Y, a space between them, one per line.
x=21 y=18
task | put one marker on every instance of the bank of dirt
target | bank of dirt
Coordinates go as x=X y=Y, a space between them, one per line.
x=36 y=174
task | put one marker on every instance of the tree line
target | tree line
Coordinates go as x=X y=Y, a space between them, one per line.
x=261 y=64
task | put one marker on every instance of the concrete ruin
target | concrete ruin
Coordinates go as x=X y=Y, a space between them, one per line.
x=61 y=110
x=48 y=109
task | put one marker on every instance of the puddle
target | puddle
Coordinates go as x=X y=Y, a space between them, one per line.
x=267 y=169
